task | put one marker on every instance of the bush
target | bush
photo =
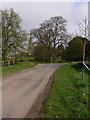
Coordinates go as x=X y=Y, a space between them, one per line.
x=21 y=60
x=42 y=54
x=74 y=51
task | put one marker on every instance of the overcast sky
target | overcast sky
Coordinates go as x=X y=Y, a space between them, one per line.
x=34 y=13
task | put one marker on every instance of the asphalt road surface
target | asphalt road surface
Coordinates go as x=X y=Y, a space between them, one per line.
x=20 y=90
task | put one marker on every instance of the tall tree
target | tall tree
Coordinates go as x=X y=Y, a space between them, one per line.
x=0 y=38
x=5 y=33
x=51 y=33
x=13 y=37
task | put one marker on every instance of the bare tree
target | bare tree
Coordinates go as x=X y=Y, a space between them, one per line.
x=84 y=29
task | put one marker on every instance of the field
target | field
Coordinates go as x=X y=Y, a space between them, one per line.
x=17 y=67
x=69 y=94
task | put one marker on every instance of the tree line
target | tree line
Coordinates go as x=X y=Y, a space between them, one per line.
x=47 y=43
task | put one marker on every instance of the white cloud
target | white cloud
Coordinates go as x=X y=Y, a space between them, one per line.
x=33 y=13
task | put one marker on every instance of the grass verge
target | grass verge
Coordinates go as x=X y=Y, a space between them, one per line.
x=69 y=95
x=17 y=67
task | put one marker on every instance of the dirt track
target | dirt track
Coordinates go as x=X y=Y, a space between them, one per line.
x=22 y=90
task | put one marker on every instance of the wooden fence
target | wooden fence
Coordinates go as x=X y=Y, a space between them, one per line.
x=10 y=62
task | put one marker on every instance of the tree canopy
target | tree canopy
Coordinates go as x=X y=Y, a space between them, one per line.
x=51 y=34
x=13 y=37
x=74 y=51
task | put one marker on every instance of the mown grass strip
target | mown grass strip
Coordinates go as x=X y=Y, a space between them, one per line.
x=69 y=95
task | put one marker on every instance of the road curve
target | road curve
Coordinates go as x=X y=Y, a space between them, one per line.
x=20 y=90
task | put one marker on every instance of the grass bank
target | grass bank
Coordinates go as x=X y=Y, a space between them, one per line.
x=69 y=95
x=17 y=67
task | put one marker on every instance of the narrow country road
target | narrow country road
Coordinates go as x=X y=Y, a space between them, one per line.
x=20 y=90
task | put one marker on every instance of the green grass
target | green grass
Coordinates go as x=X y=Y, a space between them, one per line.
x=69 y=95
x=0 y=70
x=17 y=67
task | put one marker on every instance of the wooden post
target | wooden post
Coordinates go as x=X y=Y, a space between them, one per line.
x=83 y=58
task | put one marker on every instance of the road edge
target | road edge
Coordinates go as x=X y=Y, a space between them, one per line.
x=37 y=107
